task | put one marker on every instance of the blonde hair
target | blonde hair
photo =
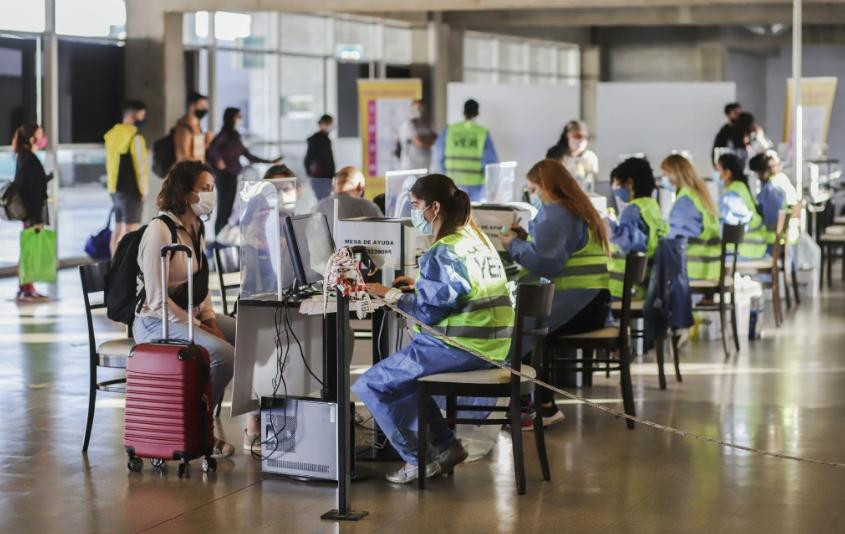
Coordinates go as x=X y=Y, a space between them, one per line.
x=683 y=171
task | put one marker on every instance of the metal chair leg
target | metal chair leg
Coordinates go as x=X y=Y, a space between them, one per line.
x=795 y=284
x=540 y=441
x=723 y=321
x=92 y=402
x=676 y=355
x=627 y=386
x=734 y=326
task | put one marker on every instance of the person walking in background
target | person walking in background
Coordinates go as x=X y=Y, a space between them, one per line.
x=571 y=150
x=224 y=154
x=319 y=159
x=349 y=184
x=728 y=138
x=415 y=140
x=464 y=149
x=31 y=183
x=189 y=141
x=126 y=170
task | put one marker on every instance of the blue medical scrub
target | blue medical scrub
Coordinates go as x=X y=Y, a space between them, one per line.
x=771 y=200
x=732 y=209
x=685 y=220
x=556 y=235
x=488 y=157
x=389 y=389
x=630 y=233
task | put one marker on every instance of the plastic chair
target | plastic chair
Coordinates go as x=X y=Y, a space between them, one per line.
x=533 y=306
x=111 y=354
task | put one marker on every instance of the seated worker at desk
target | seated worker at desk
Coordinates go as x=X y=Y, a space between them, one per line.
x=348 y=184
x=737 y=206
x=187 y=194
x=773 y=197
x=461 y=291
x=569 y=246
x=640 y=225
x=694 y=216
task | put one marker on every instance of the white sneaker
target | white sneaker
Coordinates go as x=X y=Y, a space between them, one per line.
x=409 y=473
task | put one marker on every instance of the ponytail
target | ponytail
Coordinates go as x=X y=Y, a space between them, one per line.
x=455 y=207
x=20 y=140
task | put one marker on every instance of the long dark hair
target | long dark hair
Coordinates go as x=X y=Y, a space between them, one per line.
x=761 y=164
x=20 y=140
x=454 y=204
x=178 y=183
x=230 y=116
x=558 y=184
x=563 y=142
x=731 y=163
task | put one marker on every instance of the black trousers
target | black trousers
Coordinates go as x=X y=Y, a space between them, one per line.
x=592 y=317
x=227 y=186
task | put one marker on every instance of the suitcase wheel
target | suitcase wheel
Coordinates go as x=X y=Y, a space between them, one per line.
x=183 y=469
x=135 y=464
x=209 y=464
x=158 y=463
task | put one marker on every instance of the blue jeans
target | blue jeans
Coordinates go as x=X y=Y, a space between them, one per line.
x=221 y=352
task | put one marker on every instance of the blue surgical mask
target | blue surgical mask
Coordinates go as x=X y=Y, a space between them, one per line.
x=622 y=194
x=535 y=200
x=418 y=220
x=666 y=184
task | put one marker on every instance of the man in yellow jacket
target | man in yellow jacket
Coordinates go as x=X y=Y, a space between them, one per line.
x=126 y=168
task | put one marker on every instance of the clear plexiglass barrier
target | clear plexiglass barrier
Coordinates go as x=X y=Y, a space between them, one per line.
x=266 y=269
x=397 y=186
x=500 y=182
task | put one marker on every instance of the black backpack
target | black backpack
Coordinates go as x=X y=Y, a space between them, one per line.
x=124 y=282
x=11 y=203
x=164 y=154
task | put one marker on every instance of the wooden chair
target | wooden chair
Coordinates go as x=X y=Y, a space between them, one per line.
x=533 y=306
x=609 y=340
x=775 y=267
x=228 y=263
x=111 y=354
x=832 y=239
x=723 y=287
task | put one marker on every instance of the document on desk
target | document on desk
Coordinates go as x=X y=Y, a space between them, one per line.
x=314 y=306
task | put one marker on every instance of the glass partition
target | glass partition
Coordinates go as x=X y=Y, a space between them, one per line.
x=397 y=187
x=84 y=203
x=500 y=182
x=266 y=270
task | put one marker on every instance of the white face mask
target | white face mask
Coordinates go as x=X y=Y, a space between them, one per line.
x=206 y=203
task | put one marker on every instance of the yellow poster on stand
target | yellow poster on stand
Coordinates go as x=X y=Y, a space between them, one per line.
x=817 y=96
x=383 y=105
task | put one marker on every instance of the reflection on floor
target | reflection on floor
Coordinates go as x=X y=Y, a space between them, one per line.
x=784 y=393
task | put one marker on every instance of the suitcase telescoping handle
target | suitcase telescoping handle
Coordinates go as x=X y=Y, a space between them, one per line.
x=166 y=250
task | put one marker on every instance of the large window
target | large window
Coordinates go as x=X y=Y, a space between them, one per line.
x=497 y=59
x=91 y=18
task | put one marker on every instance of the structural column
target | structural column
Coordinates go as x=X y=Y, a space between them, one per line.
x=590 y=76
x=446 y=47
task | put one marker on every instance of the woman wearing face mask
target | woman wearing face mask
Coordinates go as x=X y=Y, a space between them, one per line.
x=31 y=183
x=640 y=224
x=461 y=291
x=695 y=217
x=737 y=206
x=224 y=154
x=571 y=150
x=187 y=194
x=569 y=246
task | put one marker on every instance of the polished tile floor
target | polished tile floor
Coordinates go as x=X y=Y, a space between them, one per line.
x=786 y=392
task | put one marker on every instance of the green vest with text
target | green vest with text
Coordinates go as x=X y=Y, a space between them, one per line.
x=485 y=321
x=586 y=269
x=463 y=151
x=704 y=252
x=657 y=229
x=755 y=242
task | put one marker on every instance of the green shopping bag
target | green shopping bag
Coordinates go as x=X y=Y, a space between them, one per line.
x=38 y=256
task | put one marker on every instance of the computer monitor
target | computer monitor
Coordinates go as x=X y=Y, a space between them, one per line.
x=310 y=244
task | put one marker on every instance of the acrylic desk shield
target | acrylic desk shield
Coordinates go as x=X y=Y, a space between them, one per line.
x=397 y=187
x=500 y=184
x=266 y=271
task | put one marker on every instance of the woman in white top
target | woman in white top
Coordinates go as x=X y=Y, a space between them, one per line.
x=186 y=195
x=571 y=150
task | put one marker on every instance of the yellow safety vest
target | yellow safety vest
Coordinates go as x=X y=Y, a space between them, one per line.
x=485 y=321
x=704 y=253
x=657 y=229
x=462 y=155
x=755 y=242
x=586 y=269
